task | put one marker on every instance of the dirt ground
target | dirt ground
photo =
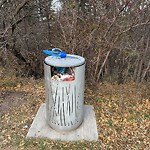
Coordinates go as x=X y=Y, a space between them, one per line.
x=10 y=99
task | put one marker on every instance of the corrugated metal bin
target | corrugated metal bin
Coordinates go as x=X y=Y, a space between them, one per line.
x=64 y=85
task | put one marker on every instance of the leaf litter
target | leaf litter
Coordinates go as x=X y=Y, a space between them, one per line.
x=122 y=114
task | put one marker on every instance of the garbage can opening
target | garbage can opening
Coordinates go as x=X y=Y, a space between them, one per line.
x=63 y=73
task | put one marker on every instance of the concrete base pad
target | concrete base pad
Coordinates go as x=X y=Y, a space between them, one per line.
x=86 y=131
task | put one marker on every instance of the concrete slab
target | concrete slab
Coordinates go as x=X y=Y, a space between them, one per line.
x=86 y=131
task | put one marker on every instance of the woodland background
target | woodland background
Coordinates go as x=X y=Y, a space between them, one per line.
x=113 y=36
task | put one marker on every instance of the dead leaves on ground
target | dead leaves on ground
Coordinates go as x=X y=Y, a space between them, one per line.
x=122 y=113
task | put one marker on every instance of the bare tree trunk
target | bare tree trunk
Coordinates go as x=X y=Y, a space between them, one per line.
x=139 y=75
x=139 y=71
x=136 y=68
x=145 y=72
x=103 y=64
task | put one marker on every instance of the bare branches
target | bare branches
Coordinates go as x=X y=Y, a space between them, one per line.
x=112 y=35
x=117 y=15
x=20 y=7
x=2 y=3
x=137 y=25
x=12 y=25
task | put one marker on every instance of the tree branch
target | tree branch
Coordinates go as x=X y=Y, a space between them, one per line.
x=20 y=7
x=114 y=20
x=2 y=3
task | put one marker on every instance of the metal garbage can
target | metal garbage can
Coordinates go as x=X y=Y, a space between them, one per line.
x=64 y=85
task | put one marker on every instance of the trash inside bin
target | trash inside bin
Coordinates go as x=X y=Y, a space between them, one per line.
x=62 y=73
x=64 y=85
